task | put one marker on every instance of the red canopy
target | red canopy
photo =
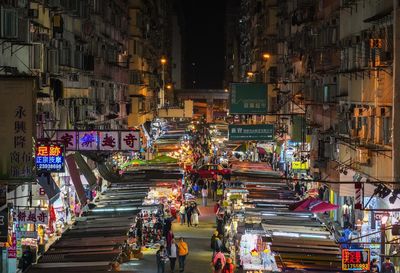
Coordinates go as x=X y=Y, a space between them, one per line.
x=313 y=205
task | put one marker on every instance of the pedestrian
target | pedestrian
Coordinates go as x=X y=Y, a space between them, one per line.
x=27 y=259
x=374 y=265
x=388 y=266
x=220 y=224
x=170 y=236
x=204 y=195
x=220 y=191
x=182 y=213
x=213 y=238
x=219 y=261
x=189 y=212
x=183 y=251
x=173 y=254
x=214 y=187
x=195 y=215
x=161 y=259
x=229 y=266
x=196 y=189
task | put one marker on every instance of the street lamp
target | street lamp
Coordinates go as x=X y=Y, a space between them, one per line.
x=162 y=95
x=266 y=56
x=250 y=74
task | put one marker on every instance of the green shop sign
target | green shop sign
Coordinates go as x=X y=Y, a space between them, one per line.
x=248 y=98
x=251 y=132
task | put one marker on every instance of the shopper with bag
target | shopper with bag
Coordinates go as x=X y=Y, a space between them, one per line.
x=161 y=259
x=195 y=215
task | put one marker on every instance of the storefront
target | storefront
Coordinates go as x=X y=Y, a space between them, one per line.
x=255 y=252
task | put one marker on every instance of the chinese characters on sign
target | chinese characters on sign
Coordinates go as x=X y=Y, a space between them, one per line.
x=109 y=141
x=88 y=141
x=251 y=132
x=130 y=140
x=19 y=158
x=68 y=139
x=356 y=259
x=49 y=158
x=99 y=140
x=16 y=128
x=40 y=217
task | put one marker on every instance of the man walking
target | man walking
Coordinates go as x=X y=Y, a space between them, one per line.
x=388 y=266
x=183 y=251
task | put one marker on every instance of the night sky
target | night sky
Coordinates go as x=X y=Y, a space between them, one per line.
x=203 y=42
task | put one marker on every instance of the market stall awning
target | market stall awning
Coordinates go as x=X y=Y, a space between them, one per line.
x=50 y=187
x=76 y=179
x=86 y=170
x=313 y=205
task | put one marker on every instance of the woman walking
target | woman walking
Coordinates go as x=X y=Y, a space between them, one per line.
x=195 y=215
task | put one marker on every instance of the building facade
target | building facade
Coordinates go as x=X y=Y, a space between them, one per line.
x=330 y=75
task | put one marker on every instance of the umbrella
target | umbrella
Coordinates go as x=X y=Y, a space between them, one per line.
x=303 y=204
x=313 y=205
x=321 y=206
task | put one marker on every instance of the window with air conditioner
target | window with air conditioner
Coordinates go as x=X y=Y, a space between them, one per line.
x=9 y=23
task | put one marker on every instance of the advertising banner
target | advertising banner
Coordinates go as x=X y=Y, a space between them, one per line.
x=248 y=98
x=263 y=132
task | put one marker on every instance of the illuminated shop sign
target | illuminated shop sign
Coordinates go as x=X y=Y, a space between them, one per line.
x=356 y=259
x=49 y=158
x=99 y=140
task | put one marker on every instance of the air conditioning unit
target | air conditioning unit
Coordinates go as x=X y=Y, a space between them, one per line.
x=358 y=111
x=382 y=111
x=363 y=156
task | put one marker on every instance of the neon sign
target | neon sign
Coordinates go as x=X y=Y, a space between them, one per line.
x=356 y=259
x=49 y=158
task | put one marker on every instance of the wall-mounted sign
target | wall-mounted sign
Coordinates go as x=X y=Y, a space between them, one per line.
x=49 y=158
x=248 y=98
x=298 y=165
x=356 y=259
x=17 y=127
x=99 y=140
x=36 y=216
x=251 y=132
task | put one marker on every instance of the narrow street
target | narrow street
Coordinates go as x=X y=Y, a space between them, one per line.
x=198 y=239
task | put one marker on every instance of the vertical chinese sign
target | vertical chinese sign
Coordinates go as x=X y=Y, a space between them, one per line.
x=17 y=128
